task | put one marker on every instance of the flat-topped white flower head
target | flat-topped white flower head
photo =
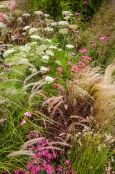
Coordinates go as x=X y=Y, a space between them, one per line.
x=36 y=37
x=52 y=47
x=43 y=69
x=48 y=29
x=38 y=13
x=49 y=79
x=2 y=25
x=53 y=23
x=45 y=58
x=26 y=15
x=32 y=30
x=46 y=15
x=63 y=23
x=49 y=52
x=69 y=46
x=26 y=27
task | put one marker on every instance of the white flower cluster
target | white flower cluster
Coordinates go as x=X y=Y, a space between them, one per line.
x=69 y=46
x=49 y=53
x=46 y=15
x=48 y=29
x=2 y=25
x=20 y=19
x=49 y=79
x=45 y=58
x=32 y=30
x=38 y=13
x=63 y=23
x=67 y=13
x=8 y=52
x=26 y=15
x=25 y=48
x=53 y=23
x=26 y=27
x=36 y=37
x=52 y=47
x=43 y=69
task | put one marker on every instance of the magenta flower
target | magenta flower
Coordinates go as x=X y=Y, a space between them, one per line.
x=67 y=162
x=55 y=85
x=78 y=19
x=86 y=58
x=59 y=168
x=91 y=26
x=93 y=43
x=85 y=3
x=83 y=50
x=74 y=68
x=60 y=69
x=28 y=114
x=23 y=122
x=73 y=54
x=103 y=38
x=77 y=14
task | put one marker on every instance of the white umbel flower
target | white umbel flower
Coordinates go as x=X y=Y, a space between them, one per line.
x=48 y=29
x=38 y=13
x=32 y=30
x=67 y=13
x=46 y=15
x=49 y=79
x=26 y=15
x=2 y=25
x=20 y=19
x=69 y=46
x=45 y=58
x=49 y=52
x=43 y=69
x=26 y=27
x=63 y=23
x=52 y=47
x=8 y=52
x=25 y=48
x=53 y=23
x=36 y=37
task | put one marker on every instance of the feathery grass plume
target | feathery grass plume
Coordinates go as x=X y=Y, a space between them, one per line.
x=31 y=142
x=30 y=76
x=40 y=92
x=34 y=84
x=21 y=152
x=109 y=75
x=100 y=88
x=3 y=101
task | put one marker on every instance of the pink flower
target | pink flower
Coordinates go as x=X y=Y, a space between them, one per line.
x=89 y=17
x=12 y=7
x=55 y=78
x=73 y=54
x=81 y=64
x=77 y=14
x=74 y=68
x=43 y=77
x=60 y=69
x=55 y=85
x=86 y=58
x=23 y=122
x=1 y=17
x=67 y=162
x=69 y=63
x=28 y=114
x=83 y=50
x=85 y=3
x=59 y=168
x=91 y=26
x=78 y=19
x=93 y=43
x=103 y=38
